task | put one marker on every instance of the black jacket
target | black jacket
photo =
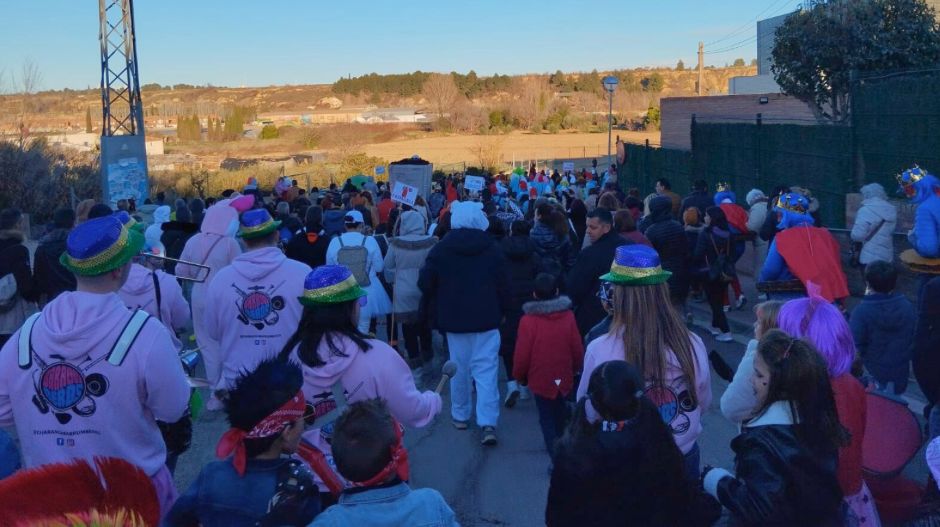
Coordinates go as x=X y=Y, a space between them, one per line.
x=557 y=253
x=631 y=477
x=927 y=342
x=50 y=275
x=523 y=263
x=669 y=239
x=465 y=282
x=14 y=258
x=308 y=248
x=583 y=280
x=779 y=481
x=709 y=240
x=699 y=199
x=174 y=238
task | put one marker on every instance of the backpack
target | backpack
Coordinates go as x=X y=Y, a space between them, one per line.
x=8 y=292
x=333 y=222
x=722 y=268
x=356 y=259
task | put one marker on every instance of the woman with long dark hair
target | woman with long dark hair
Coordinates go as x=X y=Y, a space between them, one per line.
x=714 y=251
x=623 y=469
x=785 y=456
x=342 y=365
x=648 y=333
x=552 y=240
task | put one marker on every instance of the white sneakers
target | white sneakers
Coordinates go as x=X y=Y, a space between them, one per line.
x=512 y=394
x=724 y=337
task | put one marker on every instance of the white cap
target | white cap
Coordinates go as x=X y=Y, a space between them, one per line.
x=353 y=216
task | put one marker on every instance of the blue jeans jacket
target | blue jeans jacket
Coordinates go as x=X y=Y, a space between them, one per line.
x=9 y=455
x=221 y=498
x=389 y=505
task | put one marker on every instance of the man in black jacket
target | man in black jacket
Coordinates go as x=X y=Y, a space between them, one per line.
x=583 y=280
x=699 y=198
x=926 y=351
x=465 y=283
x=51 y=277
x=668 y=238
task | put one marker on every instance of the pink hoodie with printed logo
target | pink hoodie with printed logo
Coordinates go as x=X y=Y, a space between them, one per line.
x=672 y=396
x=140 y=292
x=70 y=402
x=378 y=372
x=216 y=247
x=252 y=310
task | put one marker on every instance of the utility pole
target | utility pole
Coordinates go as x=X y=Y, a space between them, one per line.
x=701 y=69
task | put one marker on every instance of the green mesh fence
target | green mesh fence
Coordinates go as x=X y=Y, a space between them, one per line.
x=750 y=156
x=897 y=123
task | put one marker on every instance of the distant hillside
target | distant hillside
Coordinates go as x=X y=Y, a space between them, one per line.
x=56 y=111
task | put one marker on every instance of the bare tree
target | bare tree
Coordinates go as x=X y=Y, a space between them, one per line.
x=488 y=151
x=441 y=92
x=467 y=117
x=28 y=84
x=532 y=100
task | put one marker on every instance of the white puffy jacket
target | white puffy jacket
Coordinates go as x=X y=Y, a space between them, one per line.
x=881 y=245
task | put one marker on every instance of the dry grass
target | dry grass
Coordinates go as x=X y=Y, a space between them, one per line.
x=518 y=146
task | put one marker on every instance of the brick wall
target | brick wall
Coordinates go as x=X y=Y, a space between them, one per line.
x=677 y=114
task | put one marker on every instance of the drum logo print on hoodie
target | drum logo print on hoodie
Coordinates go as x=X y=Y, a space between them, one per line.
x=258 y=306
x=63 y=388
x=674 y=402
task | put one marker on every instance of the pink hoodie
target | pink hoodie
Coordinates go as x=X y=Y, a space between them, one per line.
x=53 y=404
x=252 y=310
x=671 y=397
x=379 y=372
x=139 y=293
x=216 y=247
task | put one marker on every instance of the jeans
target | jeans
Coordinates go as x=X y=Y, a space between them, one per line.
x=9 y=455
x=418 y=340
x=477 y=358
x=715 y=291
x=933 y=424
x=553 y=417
x=692 y=461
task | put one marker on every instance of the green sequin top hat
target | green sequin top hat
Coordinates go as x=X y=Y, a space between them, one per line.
x=636 y=265
x=257 y=223
x=330 y=284
x=100 y=245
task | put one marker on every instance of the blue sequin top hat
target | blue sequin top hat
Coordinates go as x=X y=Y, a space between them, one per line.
x=636 y=265
x=257 y=223
x=128 y=221
x=330 y=284
x=100 y=245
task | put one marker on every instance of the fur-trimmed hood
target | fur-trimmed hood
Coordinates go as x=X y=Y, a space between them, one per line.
x=546 y=307
x=422 y=242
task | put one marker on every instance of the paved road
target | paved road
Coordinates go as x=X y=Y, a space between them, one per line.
x=505 y=485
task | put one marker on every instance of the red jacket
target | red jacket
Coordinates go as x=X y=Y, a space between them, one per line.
x=852 y=406
x=385 y=207
x=549 y=349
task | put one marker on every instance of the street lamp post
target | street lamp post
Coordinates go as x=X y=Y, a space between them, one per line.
x=610 y=84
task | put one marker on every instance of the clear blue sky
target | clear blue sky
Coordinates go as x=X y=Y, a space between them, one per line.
x=257 y=43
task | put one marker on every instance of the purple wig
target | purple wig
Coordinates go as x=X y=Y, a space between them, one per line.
x=822 y=324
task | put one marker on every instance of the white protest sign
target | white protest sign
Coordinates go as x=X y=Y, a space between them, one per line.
x=567 y=166
x=474 y=183
x=403 y=193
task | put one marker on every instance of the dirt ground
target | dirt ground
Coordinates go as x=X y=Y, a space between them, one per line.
x=516 y=146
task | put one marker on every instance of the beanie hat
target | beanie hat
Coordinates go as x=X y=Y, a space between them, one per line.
x=753 y=195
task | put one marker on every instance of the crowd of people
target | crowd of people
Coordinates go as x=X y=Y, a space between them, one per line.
x=578 y=286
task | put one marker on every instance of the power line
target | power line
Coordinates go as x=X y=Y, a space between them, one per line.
x=773 y=4
x=734 y=46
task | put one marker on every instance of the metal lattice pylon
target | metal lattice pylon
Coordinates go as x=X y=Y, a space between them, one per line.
x=122 y=112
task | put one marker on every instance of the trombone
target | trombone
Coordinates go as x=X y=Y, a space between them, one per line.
x=199 y=275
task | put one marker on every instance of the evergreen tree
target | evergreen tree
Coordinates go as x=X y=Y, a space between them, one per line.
x=680 y=66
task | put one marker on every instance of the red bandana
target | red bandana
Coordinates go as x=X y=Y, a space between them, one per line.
x=233 y=441
x=398 y=463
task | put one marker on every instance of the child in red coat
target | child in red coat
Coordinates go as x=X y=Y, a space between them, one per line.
x=548 y=353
